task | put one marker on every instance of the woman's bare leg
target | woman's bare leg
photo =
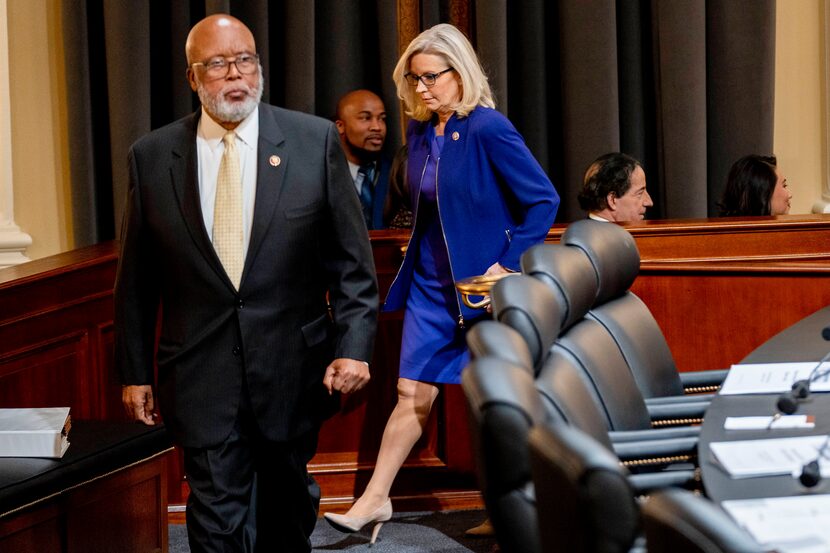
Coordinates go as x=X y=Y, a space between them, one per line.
x=404 y=428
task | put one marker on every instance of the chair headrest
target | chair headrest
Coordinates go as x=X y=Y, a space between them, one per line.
x=612 y=252
x=489 y=380
x=530 y=308
x=494 y=339
x=570 y=274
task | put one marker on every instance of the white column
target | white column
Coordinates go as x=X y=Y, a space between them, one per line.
x=13 y=241
x=823 y=205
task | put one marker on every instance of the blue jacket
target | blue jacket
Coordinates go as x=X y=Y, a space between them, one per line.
x=494 y=199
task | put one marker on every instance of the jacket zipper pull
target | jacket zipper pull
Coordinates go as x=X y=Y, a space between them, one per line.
x=460 y=321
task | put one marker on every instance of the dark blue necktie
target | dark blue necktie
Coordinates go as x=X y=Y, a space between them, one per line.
x=367 y=191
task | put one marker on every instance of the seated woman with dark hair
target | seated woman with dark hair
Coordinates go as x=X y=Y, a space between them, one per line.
x=755 y=187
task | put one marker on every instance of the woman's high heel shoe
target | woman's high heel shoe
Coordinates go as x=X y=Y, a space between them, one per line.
x=354 y=524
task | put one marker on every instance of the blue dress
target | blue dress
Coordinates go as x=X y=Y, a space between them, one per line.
x=433 y=348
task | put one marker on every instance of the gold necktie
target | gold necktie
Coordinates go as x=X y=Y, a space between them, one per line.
x=227 y=212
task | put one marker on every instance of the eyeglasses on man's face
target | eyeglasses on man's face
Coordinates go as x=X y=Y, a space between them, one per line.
x=427 y=78
x=217 y=68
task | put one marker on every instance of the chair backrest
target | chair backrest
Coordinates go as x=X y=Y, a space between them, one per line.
x=494 y=339
x=594 y=350
x=565 y=390
x=503 y=405
x=569 y=273
x=612 y=252
x=677 y=521
x=529 y=307
x=584 y=500
x=616 y=262
x=642 y=343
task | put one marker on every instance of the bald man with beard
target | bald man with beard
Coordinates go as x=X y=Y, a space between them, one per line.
x=361 y=122
x=267 y=304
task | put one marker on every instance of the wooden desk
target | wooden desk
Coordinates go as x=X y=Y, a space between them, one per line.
x=108 y=494
x=799 y=342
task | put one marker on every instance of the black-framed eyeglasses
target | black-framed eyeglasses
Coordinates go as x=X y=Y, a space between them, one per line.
x=427 y=78
x=217 y=68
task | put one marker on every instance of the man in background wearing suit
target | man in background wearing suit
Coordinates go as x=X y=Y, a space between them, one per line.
x=361 y=122
x=243 y=233
x=614 y=189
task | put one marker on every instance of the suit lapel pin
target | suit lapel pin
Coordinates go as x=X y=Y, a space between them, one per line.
x=274 y=161
x=455 y=135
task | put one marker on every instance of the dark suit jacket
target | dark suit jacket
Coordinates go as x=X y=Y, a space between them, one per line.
x=380 y=193
x=308 y=240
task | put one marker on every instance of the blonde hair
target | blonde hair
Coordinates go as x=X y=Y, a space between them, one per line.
x=448 y=42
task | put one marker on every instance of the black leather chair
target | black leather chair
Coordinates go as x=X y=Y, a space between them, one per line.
x=613 y=253
x=503 y=405
x=584 y=499
x=567 y=398
x=678 y=521
x=531 y=308
x=494 y=339
x=563 y=386
x=595 y=352
x=573 y=282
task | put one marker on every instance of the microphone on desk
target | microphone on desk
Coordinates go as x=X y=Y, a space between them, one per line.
x=788 y=401
x=811 y=472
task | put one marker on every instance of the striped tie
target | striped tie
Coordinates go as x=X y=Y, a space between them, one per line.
x=227 y=212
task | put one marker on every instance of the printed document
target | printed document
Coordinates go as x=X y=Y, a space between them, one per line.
x=774 y=378
x=797 y=524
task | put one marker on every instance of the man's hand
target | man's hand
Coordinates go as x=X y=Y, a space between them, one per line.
x=346 y=375
x=139 y=404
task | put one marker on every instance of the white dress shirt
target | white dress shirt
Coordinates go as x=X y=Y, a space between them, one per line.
x=209 y=150
x=357 y=178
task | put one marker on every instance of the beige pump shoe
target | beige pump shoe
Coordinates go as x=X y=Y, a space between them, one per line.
x=354 y=524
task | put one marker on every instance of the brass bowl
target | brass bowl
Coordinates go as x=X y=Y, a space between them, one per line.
x=478 y=286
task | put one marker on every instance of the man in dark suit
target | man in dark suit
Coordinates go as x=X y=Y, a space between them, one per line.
x=243 y=233
x=361 y=122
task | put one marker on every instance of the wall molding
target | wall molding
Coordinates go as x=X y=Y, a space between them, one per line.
x=823 y=205
x=13 y=241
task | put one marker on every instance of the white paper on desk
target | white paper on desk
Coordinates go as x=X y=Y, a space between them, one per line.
x=798 y=524
x=769 y=423
x=772 y=378
x=769 y=457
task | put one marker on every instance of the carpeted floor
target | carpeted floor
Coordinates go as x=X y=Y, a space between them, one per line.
x=405 y=533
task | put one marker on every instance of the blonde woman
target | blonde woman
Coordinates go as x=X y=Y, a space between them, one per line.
x=480 y=200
